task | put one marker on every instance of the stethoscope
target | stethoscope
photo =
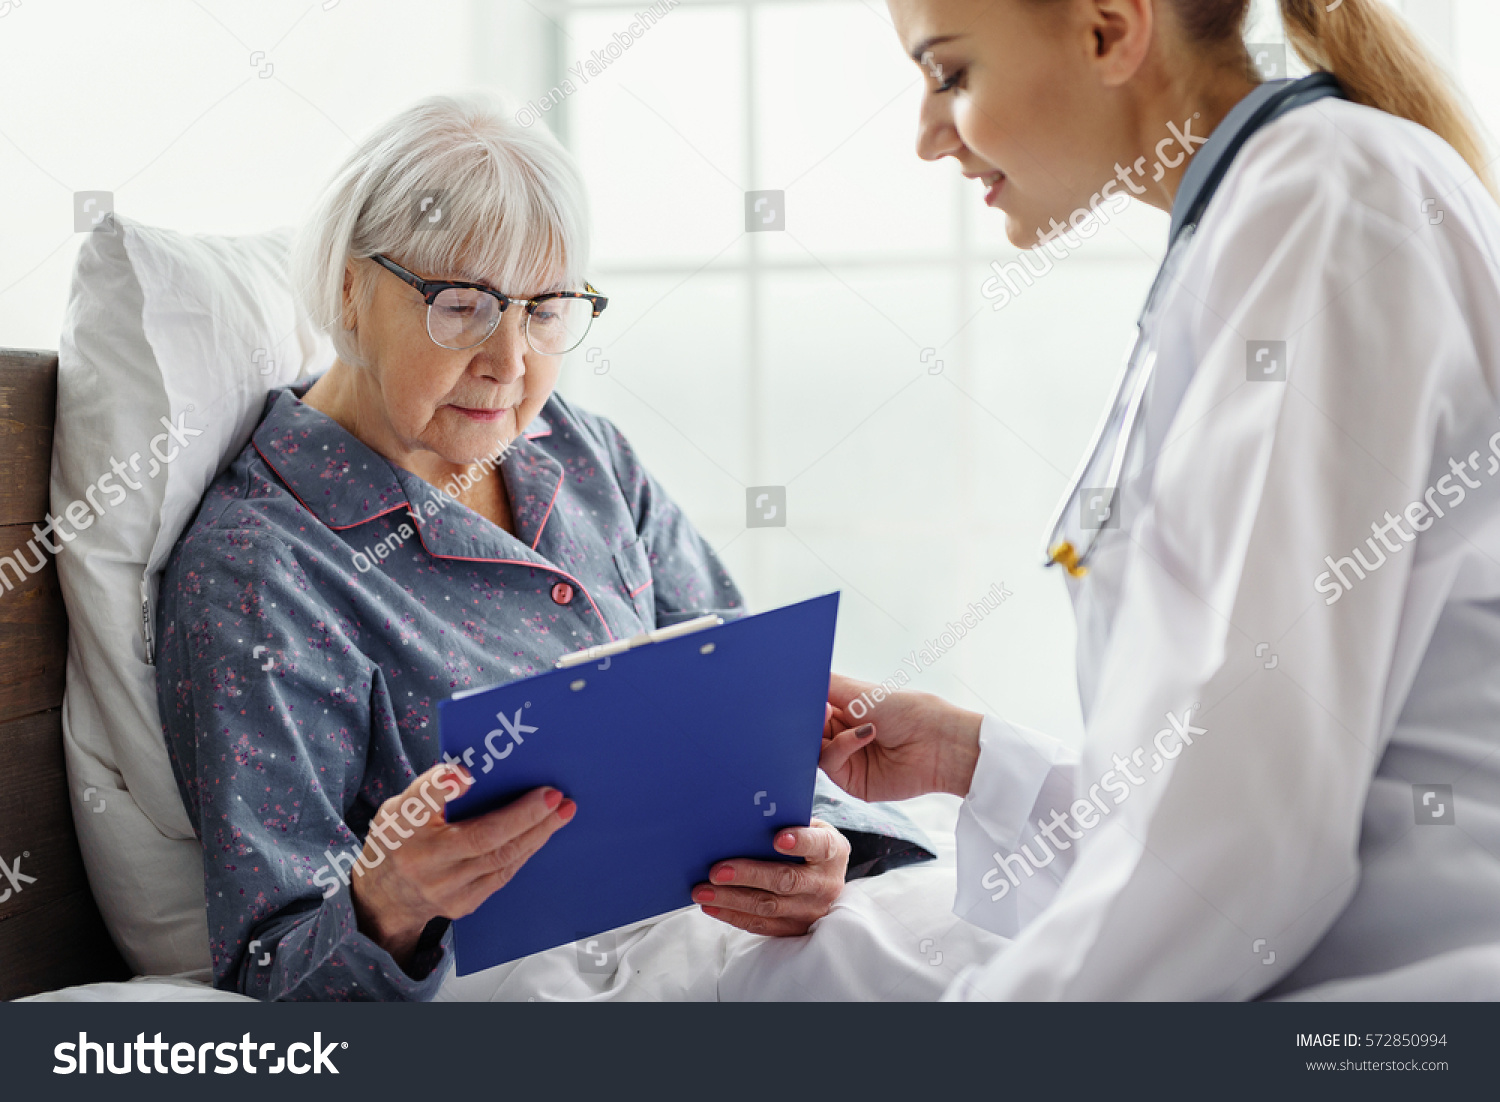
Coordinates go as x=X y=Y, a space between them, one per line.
x=1091 y=505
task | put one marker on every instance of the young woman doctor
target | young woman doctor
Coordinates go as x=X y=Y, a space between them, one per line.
x=1284 y=548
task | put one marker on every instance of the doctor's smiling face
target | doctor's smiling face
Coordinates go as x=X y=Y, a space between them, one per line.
x=1042 y=100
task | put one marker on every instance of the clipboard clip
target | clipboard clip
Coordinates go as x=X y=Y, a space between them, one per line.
x=605 y=651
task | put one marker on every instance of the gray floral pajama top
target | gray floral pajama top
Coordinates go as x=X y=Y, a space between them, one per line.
x=319 y=606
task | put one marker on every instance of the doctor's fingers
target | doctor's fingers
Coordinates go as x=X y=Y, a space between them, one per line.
x=841 y=747
x=844 y=690
x=834 y=721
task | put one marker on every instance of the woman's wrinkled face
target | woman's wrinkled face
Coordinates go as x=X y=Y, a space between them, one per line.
x=458 y=405
x=1013 y=94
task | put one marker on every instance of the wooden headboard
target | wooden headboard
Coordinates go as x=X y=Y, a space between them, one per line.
x=51 y=934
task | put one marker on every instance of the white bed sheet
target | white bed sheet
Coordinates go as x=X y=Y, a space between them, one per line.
x=190 y=987
x=889 y=937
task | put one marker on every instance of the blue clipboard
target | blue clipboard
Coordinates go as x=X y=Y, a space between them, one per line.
x=679 y=753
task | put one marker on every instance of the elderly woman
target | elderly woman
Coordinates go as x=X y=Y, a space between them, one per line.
x=426 y=517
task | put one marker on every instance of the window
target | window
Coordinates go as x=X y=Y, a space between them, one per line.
x=921 y=436
x=846 y=354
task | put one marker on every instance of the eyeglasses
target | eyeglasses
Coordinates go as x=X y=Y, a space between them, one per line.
x=463 y=315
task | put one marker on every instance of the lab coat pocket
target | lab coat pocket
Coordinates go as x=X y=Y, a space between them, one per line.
x=633 y=564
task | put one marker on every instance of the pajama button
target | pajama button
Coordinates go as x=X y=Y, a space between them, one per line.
x=562 y=593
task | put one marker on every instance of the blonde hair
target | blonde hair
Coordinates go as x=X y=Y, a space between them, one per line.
x=1375 y=56
x=513 y=210
x=1381 y=64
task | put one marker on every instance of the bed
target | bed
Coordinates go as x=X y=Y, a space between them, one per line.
x=165 y=330
x=51 y=932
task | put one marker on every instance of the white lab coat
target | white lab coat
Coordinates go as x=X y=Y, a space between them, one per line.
x=1284 y=851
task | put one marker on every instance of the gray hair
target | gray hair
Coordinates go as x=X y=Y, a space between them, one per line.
x=514 y=213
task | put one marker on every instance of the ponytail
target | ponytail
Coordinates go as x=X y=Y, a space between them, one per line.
x=1380 y=64
x=1366 y=46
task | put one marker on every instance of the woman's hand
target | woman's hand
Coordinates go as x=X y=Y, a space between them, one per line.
x=432 y=868
x=767 y=897
x=905 y=745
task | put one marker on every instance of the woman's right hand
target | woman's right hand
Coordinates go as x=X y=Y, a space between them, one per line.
x=919 y=742
x=433 y=868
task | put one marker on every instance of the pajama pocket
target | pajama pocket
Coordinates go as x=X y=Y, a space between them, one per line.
x=633 y=564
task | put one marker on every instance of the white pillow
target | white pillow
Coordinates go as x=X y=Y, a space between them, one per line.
x=163 y=330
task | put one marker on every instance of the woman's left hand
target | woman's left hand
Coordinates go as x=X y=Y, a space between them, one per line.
x=767 y=897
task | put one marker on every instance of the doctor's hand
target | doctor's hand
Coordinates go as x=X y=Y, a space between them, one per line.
x=782 y=900
x=903 y=745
